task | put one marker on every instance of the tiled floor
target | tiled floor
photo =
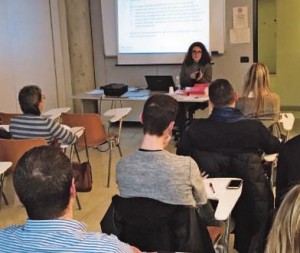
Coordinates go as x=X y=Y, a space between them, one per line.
x=95 y=203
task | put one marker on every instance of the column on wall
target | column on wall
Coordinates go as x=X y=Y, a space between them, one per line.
x=80 y=48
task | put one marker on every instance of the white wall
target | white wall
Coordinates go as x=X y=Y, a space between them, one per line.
x=27 y=55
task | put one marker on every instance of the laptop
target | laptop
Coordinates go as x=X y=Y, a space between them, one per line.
x=159 y=83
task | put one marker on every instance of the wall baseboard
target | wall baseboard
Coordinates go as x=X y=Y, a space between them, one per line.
x=290 y=108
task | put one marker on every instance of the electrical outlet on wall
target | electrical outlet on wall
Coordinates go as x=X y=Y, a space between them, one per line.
x=244 y=59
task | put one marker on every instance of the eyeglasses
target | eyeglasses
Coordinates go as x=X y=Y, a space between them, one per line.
x=196 y=52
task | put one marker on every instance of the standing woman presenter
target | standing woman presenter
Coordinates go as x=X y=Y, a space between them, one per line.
x=196 y=67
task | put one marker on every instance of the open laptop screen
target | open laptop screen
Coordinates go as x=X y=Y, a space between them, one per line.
x=159 y=83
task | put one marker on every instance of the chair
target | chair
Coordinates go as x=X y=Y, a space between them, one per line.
x=281 y=126
x=4 y=166
x=270 y=166
x=215 y=234
x=5 y=117
x=11 y=150
x=152 y=225
x=256 y=200
x=95 y=132
x=287 y=120
x=281 y=129
x=78 y=131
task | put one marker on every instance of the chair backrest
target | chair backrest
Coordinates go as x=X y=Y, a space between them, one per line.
x=94 y=129
x=152 y=225
x=5 y=117
x=11 y=150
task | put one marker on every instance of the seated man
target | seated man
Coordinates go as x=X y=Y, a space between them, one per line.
x=44 y=183
x=155 y=173
x=32 y=125
x=228 y=145
x=288 y=173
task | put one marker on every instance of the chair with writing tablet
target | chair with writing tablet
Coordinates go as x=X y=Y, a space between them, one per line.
x=4 y=166
x=12 y=150
x=6 y=117
x=95 y=132
x=281 y=125
x=280 y=128
x=69 y=148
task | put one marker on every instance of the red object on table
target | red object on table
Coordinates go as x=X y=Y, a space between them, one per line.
x=198 y=89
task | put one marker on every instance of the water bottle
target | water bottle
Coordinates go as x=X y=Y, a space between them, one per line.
x=177 y=83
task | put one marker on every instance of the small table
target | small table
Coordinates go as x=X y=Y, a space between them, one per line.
x=4 y=166
x=216 y=189
x=134 y=94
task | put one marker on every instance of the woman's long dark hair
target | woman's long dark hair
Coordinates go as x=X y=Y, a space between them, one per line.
x=205 y=58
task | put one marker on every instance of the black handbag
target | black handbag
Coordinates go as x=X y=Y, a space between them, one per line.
x=82 y=172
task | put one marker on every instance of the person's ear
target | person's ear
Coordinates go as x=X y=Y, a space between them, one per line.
x=41 y=106
x=73 y=189
x=141 y=118
x=210 y=105
x=171 y=126
x=235 y=96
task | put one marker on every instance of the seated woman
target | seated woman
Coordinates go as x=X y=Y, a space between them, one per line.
x=196 y=68
x=284 y=234
x=32 y=125
x=257 y=100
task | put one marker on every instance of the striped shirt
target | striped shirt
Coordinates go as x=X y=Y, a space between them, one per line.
x=58 y=235
x=29 y=126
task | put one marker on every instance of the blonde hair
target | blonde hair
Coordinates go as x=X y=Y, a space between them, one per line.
x=285 y=233
x=257 y=81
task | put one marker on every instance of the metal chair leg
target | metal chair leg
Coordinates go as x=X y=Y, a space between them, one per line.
x=78 y=202
x=120 y=151
x=226 y=235
x=5 y=199
x=109 y=164
x=1 y=188
x=2 y=177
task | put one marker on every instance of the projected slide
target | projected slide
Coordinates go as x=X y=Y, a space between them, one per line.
x=164 y=26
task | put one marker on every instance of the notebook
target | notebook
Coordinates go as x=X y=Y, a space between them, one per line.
x=159 y=83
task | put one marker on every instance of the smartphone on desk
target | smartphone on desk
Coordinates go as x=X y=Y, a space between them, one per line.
x=235 y=184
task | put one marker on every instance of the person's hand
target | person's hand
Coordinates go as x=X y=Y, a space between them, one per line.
x=193 y=75
x=200 y=75
x=135 y=249
x=204 y=174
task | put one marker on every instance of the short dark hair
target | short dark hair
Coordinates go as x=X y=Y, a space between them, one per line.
x=30 y=97
x=42 y=180
x=159 y=111
x=205 y=58
x=221 y=93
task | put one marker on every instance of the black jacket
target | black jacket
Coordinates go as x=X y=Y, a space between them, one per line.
x=227 y=131
x=288 y=169
x=228 y=145
x=151 y=225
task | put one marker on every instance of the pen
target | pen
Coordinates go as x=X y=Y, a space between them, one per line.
x=212 y=187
